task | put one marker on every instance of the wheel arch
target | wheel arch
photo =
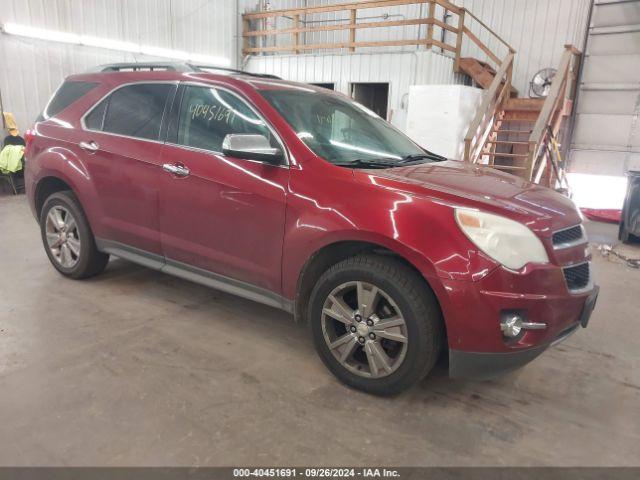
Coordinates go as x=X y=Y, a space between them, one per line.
x=335 y=252
x=46 y=187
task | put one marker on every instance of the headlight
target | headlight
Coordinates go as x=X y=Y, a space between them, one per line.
x=506 y=241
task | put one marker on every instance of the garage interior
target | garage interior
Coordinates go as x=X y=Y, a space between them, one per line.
x=134 y=367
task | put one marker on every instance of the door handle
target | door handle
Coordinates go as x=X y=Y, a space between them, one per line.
x=89 y=146
x=177 y=170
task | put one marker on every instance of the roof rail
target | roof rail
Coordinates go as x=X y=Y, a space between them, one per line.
x=207 y=68
x=139 y=66
x=172 y=67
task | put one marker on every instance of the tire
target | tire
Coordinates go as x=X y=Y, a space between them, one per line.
x=67 y=237
x=623 y=234
x=400 y=294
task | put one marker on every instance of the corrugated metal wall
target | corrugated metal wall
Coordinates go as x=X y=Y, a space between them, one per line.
x=30 y=70
x=536 y=29
x=400 y=70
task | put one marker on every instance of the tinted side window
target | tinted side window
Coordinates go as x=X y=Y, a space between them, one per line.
x=135 y=110
x=68 y=93
x=95 y=119
x=207 y=115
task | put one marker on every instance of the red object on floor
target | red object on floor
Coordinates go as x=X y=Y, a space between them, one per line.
x=602 y=214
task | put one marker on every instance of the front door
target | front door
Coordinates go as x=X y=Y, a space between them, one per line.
x=218 y=213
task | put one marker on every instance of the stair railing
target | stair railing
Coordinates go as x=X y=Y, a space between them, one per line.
x=262 y=34
x=482 y=124
x=301 y=22
x=557 y=106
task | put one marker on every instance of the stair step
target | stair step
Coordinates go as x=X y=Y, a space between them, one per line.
x=524 y=104
x=499 y=130
x=520 y=116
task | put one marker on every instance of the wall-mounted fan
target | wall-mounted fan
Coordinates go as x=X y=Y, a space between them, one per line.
x=540 y=84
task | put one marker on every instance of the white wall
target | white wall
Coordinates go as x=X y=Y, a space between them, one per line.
x=30 y=70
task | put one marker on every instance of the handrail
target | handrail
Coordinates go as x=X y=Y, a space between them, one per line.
x=346 y=6
x=511 y=49
x=551 y=102
x=490 y=103
x=554 y=108
x=351 y=24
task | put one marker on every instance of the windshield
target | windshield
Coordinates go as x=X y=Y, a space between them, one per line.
x=339 y=130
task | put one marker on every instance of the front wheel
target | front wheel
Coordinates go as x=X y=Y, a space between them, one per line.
x=68 y=239
x=376 y=324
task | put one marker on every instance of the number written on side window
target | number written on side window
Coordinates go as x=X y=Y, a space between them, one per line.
x=207 y=115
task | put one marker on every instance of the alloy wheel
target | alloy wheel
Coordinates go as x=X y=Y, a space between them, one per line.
x=364 y=329
x=62 y=236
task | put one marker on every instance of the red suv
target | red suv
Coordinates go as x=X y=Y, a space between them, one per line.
x=299 y=198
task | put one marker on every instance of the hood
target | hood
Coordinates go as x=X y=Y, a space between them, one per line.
x=464 y=184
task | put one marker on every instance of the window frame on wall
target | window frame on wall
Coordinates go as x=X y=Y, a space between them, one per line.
x=170 y=99
x=173 y=123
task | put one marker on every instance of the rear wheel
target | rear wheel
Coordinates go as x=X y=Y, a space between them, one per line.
x=375 y=323
x=68 y=239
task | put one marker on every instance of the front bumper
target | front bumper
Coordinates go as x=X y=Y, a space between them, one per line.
x=486 y=365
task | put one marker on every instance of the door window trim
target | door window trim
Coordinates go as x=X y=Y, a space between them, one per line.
x=167 y=107
x=176 y=117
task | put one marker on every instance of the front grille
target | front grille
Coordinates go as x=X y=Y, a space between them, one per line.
x=577 y=277
x=568 y=236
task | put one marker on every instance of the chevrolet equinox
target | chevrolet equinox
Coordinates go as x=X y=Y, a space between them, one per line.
x=299 y=198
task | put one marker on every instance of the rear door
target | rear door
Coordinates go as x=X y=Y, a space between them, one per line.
x=224 y=215
x=122 y=141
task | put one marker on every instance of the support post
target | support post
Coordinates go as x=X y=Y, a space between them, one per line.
x=352 y=31
x=246 y=28
x=456 y=64
x=431 y=17
x=296 y=34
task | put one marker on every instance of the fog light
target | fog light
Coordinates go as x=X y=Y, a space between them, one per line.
x=511 y=325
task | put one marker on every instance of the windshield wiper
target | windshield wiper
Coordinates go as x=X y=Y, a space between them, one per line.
x=362 y=163
x=416 y=157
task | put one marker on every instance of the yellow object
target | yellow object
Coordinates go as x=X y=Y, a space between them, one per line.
x=10 y=122
x=11 y=159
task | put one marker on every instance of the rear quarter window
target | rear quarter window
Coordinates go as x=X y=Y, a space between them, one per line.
x=133 y=111
x=68 y=93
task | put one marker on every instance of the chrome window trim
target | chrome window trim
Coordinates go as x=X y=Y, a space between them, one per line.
x=271 y=128
x=573 y=243
x=83 y=125
x=588 y=287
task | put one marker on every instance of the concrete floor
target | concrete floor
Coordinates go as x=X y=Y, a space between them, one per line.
x=138 y=368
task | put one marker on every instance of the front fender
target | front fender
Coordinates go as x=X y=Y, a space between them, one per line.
x=422 y=230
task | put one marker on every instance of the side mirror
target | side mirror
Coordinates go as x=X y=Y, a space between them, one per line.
x=251 y=147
